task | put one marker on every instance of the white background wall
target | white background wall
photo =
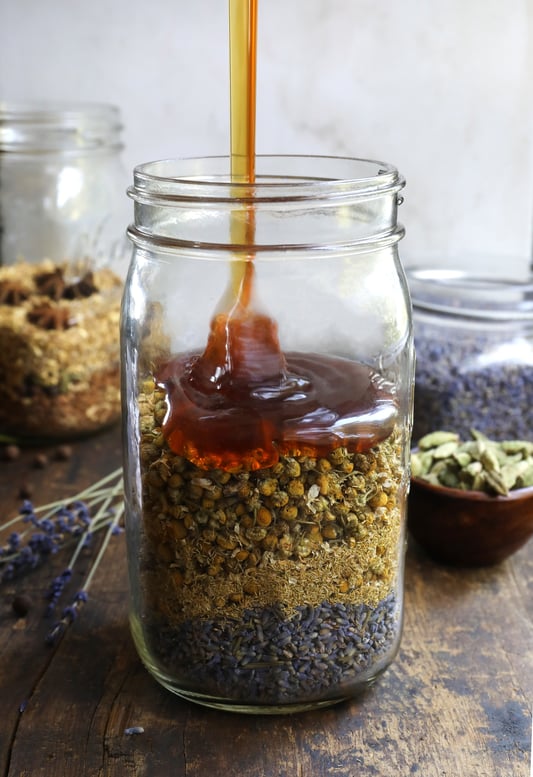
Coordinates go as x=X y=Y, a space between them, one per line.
x=443 y=89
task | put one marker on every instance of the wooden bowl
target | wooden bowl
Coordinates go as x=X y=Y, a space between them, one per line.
x=469 y=528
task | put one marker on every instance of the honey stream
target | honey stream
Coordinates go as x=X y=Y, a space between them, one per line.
x=243 y=402
x=243 y=89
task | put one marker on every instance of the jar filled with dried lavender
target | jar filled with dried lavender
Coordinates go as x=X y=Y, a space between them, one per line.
x=62 y=251
x=474 y=344
x=267 y=390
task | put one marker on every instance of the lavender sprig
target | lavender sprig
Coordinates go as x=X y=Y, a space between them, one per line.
x=70 y=612
x=39 y=532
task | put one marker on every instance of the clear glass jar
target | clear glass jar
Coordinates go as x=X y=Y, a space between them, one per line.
x=63 y=210
x=474 y=346
x=267 y=407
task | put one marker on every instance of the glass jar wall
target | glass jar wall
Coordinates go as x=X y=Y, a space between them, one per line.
x=267 y=407
x=474 y=344
x=62 y=253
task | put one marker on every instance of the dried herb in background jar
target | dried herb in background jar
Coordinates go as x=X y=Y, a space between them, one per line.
x=62 y=260
x=474 y=346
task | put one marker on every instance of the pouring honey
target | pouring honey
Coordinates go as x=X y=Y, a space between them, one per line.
x=243 y=402
x=265 y=463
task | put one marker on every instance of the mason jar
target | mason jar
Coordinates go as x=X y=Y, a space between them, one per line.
x=62 y=265
x=474 y=345
x=267 y=409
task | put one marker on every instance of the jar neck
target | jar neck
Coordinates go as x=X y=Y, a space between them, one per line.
x=454 y=294
x=294 y=202
x=29 y=128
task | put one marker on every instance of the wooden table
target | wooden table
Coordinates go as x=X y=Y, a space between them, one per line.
x=456 y=702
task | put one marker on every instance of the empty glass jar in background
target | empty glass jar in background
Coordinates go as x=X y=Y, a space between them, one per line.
x=267 y=407
x=62 y=255
x=474 y=345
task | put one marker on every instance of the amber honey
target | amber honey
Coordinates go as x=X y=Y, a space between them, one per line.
x=243 y=402
x=266 y=474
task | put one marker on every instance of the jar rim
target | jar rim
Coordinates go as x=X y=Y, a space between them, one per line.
x=451 y=292
x=168 y=181
x=50 y=110
x=43 y=126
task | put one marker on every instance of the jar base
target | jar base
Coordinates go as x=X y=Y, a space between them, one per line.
x=227 y=705
x=243 y=707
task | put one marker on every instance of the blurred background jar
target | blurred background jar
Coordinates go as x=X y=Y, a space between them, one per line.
x=267 y=393
x=474 y=346
x=63 y=211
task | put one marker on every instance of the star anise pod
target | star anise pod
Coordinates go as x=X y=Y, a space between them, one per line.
x=50 y=317
x=82 y=288
x=12 y=292
x=51 y=283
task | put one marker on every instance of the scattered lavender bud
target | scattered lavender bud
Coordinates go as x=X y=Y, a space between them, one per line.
x=133 y=730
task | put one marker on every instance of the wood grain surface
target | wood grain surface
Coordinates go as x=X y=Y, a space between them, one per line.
x=456 y=702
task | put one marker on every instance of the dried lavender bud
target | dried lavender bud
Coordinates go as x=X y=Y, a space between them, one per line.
x=13 y=542
x=133 y=730
x=21 y=605
x=36 y=532
x=456 y=387
x=311 y=649
x=56 y=589
x=68 y=616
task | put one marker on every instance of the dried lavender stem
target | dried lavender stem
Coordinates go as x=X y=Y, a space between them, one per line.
x=105 y=542
x=57 y=524
x=70 y=612
x=94 y=491
x=97 y=519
